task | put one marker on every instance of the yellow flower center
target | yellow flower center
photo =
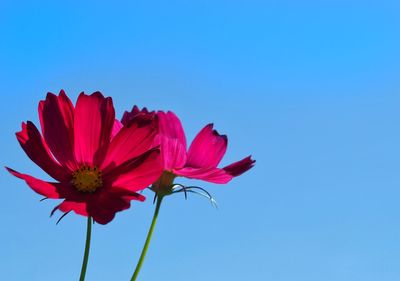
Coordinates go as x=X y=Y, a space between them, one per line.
x=87 y=179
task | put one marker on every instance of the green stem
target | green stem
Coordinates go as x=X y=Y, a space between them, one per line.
x=87 y=249
x=149 y=235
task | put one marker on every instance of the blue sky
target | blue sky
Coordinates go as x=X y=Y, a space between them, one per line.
x=309 y=88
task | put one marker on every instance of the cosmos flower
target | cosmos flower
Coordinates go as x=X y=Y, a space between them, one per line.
x=98 y=165
x=200 y=161
x=202 y=158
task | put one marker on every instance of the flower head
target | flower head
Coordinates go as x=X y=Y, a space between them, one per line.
x=202 y=158
x=98 y=164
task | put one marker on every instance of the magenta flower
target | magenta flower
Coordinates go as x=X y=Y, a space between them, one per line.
x=203 y=157
x=199 y=162
x=99 y=166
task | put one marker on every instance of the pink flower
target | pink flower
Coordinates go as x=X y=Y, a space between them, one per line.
x=203 y=157
x=99 y=166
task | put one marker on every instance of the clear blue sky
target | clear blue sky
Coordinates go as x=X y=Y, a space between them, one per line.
x=311 y=89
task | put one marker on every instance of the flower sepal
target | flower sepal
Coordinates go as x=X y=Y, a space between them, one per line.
x=180 y=188
x=164 y=185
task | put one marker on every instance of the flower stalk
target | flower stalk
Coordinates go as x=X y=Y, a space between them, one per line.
x=87 y=249
x=149 y=236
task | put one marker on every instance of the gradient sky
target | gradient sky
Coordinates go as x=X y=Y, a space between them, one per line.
x=310 y=88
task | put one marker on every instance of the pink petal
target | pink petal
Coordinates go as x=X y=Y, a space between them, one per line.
x=138 y=173
x=56 y=115
x=238 y=168
x=101 y=206
x=47 y=189
x=137 y=115
x=104 y=206
x=94 y=120
x=213 y=175
x=207 y=149
x=171 y=127
x=34 y=146
x=116 y=128
x=128 y=116
x=131 y=141
x=126 y=194
x=79 y=208
x=173 y=153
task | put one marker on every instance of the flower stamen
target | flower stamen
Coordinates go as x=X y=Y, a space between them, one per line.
x=87 y=179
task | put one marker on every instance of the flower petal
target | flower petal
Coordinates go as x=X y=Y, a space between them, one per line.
x=137 y=115
x=173 y=153
x=47 y=189
x=130 y=142
x=238 y=168
x=116 y=128
x=34 y=146
x=171 y=127
x=213 y=175
x=79 y=208
x=102 y=206
x=94 y=120
x=105 y=205
x=127 y=194
x=138 y=173
x=207 y=149
x=56 y=115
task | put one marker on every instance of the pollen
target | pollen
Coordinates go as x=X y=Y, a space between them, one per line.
x=87 y=179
